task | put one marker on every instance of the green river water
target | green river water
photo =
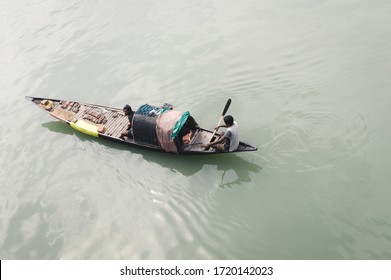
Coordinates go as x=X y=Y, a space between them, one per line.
x=310 y=87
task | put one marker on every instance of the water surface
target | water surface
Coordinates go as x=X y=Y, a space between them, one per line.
x=309 y=86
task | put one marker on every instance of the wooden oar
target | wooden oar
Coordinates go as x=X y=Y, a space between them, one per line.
x=222 y=117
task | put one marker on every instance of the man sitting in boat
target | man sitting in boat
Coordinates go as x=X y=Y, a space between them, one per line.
x=228 y=142
x=130 y=113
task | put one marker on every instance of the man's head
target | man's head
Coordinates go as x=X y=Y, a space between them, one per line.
x=127 y=109
x=229 y=120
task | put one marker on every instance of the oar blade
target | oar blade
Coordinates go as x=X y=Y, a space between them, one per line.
x=226 y=107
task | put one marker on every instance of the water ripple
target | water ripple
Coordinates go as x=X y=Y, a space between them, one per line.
x=338 y=137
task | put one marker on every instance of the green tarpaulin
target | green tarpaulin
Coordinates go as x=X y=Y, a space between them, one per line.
x=179 y=124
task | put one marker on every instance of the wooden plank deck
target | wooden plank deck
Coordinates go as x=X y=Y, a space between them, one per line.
x=116 y=122
x=200 y=137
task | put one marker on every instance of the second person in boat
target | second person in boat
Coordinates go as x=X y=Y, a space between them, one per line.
x=229 y=141
x=130 y=113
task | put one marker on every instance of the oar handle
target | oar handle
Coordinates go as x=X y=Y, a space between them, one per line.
x=221 y=118
x=217 y=128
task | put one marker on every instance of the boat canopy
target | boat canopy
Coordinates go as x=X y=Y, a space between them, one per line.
x=168 y=125
x=158 y=126
x=144 y=130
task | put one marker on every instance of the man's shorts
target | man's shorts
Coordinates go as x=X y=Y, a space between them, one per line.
x=221 y=147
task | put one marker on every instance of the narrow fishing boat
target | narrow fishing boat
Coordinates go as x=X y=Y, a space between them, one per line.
x=153 y=127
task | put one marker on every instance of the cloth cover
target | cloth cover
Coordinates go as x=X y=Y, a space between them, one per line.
x=165 y=124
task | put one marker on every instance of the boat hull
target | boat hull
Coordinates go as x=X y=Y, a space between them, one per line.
x=108 y=123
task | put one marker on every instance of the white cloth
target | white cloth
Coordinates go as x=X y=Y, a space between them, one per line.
x=232 y=134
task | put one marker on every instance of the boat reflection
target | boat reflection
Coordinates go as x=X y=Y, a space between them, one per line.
x=187 y=165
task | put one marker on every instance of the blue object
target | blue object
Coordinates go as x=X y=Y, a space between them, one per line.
x=149 y=110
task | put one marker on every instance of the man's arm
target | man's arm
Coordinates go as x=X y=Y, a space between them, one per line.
x=220 y=140
x=220 y=126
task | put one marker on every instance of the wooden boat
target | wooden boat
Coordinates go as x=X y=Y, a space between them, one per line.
x=157 y=128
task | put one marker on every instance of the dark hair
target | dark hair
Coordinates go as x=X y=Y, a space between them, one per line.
x=229 y=120
x=127 y=108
